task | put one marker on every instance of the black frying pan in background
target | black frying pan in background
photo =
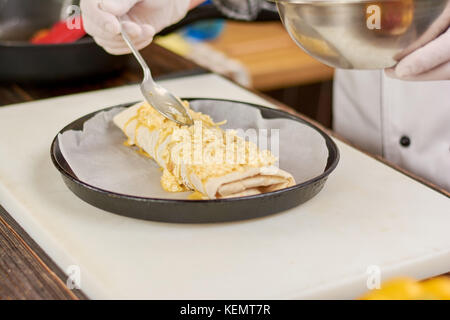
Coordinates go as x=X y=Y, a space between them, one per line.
x=22 y=61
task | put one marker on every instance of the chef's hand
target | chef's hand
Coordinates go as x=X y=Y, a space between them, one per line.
x=142 y=20
x=429 y=57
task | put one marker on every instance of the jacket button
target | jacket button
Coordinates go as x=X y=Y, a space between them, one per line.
x=405 y=141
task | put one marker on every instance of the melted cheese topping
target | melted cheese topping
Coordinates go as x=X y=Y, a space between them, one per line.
x=197 y=196
x=205 y=149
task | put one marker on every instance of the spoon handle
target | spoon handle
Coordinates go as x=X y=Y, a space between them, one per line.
x=135 y=51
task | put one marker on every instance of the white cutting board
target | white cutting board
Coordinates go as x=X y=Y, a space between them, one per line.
x=368 y=214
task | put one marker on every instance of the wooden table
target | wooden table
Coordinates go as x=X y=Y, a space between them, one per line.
x=271 y=57
x=26 y=271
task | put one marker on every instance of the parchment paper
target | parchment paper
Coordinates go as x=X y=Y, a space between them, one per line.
x=98 y=157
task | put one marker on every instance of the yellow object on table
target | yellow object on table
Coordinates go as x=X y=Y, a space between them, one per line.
x=410 y=289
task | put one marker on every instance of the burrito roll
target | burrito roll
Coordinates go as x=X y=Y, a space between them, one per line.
x=203 y=158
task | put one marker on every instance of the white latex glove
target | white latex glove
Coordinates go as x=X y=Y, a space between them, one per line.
x=427 y=60
x=143 y=19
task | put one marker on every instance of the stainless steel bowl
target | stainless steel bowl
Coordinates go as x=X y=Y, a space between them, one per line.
x=360 y=34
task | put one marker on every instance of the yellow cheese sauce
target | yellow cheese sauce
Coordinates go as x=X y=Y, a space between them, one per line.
x=181 y=149
x=170 y=183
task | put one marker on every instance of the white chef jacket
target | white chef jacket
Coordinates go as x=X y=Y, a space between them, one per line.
x=406 y=122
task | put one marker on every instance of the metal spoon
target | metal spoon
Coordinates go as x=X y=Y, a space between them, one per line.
x=158 y=97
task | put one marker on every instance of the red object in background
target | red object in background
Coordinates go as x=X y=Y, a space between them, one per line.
x=59 y=33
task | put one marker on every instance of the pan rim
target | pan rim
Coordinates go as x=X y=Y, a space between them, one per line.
x=283 y=114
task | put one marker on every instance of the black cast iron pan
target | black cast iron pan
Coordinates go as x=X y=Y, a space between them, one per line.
x=21 y=61
x=196 y=211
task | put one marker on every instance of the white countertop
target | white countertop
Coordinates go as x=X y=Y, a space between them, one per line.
x=368 y=214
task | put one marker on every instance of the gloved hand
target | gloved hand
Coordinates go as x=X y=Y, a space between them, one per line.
x=142 y=20
x=429 y=57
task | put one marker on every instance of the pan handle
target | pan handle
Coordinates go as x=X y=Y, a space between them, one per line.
x=208 y=12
